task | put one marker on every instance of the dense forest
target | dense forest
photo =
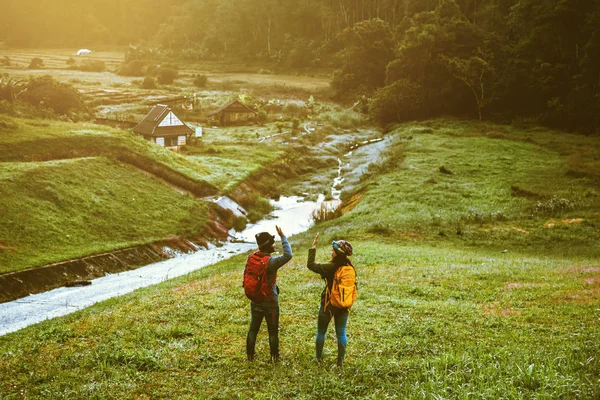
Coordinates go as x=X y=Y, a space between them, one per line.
x=510 y=60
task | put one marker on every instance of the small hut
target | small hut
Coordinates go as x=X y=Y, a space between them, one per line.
x=163 y=127
x=233 y=112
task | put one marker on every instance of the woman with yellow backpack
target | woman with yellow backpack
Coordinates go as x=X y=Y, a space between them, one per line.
x=337 y=297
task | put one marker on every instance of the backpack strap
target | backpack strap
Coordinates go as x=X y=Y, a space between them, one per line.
x=327 y=302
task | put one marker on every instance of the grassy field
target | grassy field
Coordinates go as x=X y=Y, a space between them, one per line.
x=64 y=193
x=479 y=277
x=224 y=159
x=122 y=97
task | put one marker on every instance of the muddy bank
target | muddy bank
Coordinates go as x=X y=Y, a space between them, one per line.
x=16 y=285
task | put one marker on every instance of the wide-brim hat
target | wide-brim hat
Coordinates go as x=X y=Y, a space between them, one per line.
x=264 y=239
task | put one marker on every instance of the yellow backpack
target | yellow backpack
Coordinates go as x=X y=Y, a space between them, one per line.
x=343 y=291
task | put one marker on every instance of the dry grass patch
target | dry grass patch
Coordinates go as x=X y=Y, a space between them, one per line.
x=554 y=222
x=497 y=310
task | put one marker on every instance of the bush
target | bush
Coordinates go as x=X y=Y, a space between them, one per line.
x=45 y=92
x=400 y=101
x=295 y=123
x=36 y=63
x=554 y=206
x=201 y=80
x=346 y=119
x=262 y=116
x=256 y=206
x=149 y=83
x=71 y=61
x=93 y=66
x=240 y=223
x=133 y=68
x=326 y=212
x=166 y=76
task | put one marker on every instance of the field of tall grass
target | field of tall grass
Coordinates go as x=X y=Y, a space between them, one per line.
x=468 y=288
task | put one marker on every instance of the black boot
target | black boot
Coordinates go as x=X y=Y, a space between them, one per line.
x=341 y=354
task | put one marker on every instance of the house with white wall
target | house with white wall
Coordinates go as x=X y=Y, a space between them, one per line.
x=162 y=126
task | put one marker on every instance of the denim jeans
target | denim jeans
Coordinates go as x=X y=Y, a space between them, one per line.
x=271 y=315
x=340 y=317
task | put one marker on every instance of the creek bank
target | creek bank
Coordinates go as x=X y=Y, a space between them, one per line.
x=19 y=284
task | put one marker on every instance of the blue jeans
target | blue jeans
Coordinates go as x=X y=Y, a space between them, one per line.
x=271 y=315
x=340 y=317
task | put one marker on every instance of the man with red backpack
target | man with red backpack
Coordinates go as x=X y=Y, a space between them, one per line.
x=261 y=288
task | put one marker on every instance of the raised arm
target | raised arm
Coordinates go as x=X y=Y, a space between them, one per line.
x=322 y=269
x=277 y=262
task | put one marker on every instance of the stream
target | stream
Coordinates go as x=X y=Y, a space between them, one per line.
x=291 y=213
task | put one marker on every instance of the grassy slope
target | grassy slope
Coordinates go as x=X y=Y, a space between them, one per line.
x=447 y=316
x=56 y=210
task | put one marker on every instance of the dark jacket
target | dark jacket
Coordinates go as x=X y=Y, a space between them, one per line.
x=326 y=270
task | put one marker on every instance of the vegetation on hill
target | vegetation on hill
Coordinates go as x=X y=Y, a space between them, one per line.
x=513 y=59
x=505 y=306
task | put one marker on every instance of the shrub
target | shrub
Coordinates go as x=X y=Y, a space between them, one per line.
x=554 y=206
x=295 y=123
x=346 y=119
x=400 y=101
x=201 y=80
x=93 y=66
x=256 y=206
x=262 y=116
x=45 y=92
x=71 y=61
x=167 y=75
x=149 y=83
x=240 y=223
x=326 y=212
x=133 y=68
x=36 y=63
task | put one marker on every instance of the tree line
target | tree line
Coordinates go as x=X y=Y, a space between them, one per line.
x=525 y=60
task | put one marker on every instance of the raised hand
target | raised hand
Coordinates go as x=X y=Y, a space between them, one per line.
x=316 y=241
x=279 y=231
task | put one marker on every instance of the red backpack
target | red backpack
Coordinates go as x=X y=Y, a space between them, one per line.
x=256 y=284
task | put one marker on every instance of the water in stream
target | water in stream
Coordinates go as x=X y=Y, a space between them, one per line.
x=291 y=214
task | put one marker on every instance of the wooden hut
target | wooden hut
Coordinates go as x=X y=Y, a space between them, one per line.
x=163 y=127
x=233 y=112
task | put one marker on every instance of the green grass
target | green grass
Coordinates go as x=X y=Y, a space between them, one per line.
x=57 y=210
x=442 y=312
x=429 y=322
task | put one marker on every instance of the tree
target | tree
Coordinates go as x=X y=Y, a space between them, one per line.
x=471 y=72
x=400 y=101
x=45 y=92
x=368 y=49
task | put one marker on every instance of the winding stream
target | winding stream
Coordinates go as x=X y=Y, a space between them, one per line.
x=291 y=213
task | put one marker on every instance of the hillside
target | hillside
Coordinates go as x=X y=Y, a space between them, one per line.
x=74 y=189
x=477 y=252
